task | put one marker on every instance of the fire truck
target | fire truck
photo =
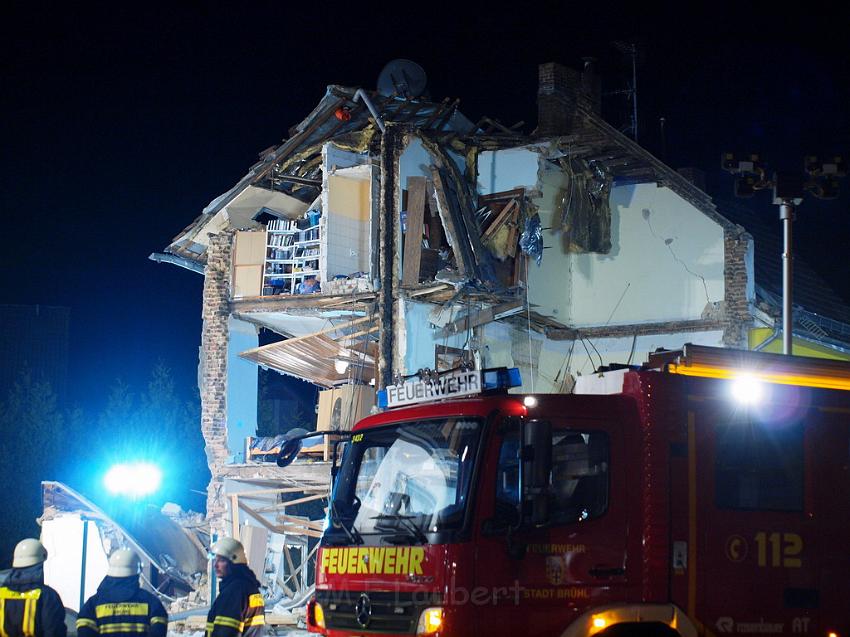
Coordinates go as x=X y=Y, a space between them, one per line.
x=706 y=492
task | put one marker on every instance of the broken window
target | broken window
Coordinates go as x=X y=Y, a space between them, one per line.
x=501 y=218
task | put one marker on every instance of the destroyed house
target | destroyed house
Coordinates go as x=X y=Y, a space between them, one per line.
x=391 y=234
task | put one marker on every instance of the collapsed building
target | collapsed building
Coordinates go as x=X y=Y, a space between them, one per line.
x=390 y=235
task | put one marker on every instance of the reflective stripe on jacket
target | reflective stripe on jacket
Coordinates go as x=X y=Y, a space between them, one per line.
x=239 y=609
x=37 y=612
x=120 y=608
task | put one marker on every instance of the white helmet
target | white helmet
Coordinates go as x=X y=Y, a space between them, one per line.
x=124 y=563
x=230 y=549
x=29 y=552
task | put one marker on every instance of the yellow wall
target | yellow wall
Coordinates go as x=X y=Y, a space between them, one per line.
x=800 y=347
x=349 y=197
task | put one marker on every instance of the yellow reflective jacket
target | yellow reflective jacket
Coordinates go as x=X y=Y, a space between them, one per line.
x=120 y=608
x=28 y=608
x=238 y=611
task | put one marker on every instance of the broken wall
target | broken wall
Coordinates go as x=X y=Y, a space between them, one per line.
x=666 y=264
x=418 y=342
x=549 y=366
x=507 y=169
x=215 y=311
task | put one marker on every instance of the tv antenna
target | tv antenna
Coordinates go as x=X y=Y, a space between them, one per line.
x=630 y=49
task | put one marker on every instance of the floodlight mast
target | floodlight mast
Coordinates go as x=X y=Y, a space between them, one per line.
x=788 y=191
x=786 y=215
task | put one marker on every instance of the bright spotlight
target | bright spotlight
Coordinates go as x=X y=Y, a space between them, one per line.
x=747 y=390
x=133 y=479
x=529 y=401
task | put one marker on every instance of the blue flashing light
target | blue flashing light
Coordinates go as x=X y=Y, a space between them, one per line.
x=382 y=398
x=135 y=479
x=502 y=378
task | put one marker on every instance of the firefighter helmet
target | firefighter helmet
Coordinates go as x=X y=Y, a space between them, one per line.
x=29 y=552
x=230 y=549
x=124 y=563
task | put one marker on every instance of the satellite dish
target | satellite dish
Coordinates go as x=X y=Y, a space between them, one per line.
x=403 y=78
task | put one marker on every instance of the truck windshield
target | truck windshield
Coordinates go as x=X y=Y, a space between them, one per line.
x=403 y=481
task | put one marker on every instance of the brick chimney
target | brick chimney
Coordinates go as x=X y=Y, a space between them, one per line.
x=560 y=90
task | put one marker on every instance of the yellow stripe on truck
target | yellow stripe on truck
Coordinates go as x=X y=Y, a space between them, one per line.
x=373 y=560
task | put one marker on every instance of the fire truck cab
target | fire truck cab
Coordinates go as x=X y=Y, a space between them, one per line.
x=704 y=493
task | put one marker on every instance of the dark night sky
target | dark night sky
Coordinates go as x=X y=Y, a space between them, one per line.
x=119 y=126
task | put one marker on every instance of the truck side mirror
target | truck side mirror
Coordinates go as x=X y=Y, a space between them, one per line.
x=536 y=467
x=292 y=442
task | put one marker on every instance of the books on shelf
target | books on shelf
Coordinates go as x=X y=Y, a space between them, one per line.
x=282 y=224
x=293 y=252
x=281 y=239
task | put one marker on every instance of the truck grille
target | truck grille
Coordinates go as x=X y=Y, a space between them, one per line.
x=390 y=612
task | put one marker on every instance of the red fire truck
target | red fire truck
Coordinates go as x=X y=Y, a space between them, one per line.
x=704 y=493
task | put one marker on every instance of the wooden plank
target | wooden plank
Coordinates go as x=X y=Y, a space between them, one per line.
x=299 y=339
x=296 y=520
x=513 y=239
x=445 y=211
x=435 y=228
x=234 y=516
x=501 y=218
x=480 y=318
x=416 y=191
x=500 y=196
x=267 y=492
x=291 y=567
x=308 y=498
x=259 y=518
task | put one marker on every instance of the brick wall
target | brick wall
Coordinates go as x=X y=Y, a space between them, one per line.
x=559 y=90
x=213 y=380
x=557 y=95
x=737 y=319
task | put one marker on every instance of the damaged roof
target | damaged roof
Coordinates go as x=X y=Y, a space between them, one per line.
x=288 y=177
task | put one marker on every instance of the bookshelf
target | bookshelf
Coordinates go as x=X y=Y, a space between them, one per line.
x=293 y=254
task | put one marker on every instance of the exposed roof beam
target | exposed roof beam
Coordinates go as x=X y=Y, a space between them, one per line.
x=183 y=262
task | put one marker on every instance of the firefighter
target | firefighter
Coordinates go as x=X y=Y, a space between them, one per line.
x=28 y=608
x=238 y=610
x=120 y=607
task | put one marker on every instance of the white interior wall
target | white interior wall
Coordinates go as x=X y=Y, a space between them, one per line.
x=666 y=264
x=241 y=388
x=62 y=536
x=549 y=290
x=507 y=169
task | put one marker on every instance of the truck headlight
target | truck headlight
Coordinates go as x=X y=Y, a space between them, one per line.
x=318 y=614
x=430 y=621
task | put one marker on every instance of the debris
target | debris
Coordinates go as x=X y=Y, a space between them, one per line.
x=531 y=241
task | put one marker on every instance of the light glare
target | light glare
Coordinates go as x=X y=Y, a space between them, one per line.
x=133 y=479
x=747 y=390
x=529 y=401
